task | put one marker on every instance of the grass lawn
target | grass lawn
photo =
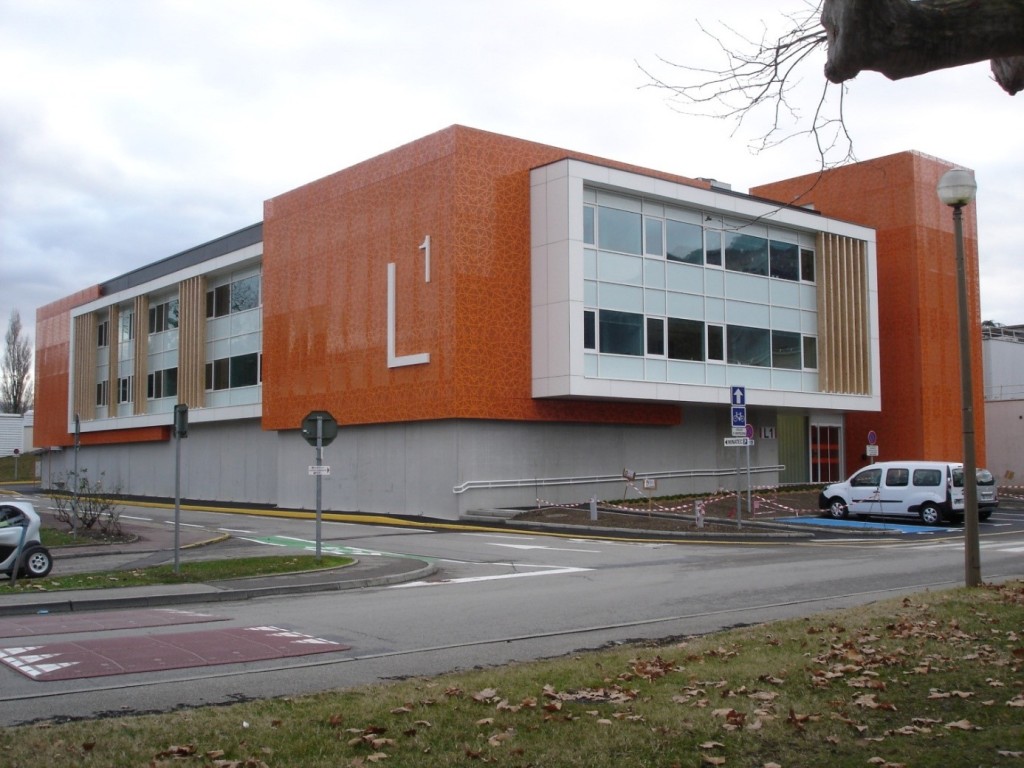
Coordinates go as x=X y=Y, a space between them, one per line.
x=936 y=679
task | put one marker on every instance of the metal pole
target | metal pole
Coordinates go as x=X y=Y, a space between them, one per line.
x=177 y=499
x=739 y=512
x=319 y=477
x=750 y=504
x=972 y=554
x=74 y=499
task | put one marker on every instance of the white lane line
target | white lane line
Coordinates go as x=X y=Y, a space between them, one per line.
x=496 y=577
x=135 y=517
x=541 y=546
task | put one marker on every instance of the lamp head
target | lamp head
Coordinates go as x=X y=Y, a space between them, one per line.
x=957 y=187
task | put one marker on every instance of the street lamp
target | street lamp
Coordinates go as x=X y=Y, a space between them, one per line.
x=956 y=189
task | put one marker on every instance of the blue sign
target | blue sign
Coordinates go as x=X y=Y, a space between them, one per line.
x=739 y=396
x=739 y=416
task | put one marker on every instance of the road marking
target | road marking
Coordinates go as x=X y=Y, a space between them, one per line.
x=541 y=546
x=495 y=577
x=328 y=549
x=135 y=517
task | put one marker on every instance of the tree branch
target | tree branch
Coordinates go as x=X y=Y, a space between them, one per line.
x=904 y=38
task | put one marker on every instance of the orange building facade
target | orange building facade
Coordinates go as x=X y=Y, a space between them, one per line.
x=921 y=414
x=494 y=322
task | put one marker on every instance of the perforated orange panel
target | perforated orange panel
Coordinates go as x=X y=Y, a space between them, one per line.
x=917 y=291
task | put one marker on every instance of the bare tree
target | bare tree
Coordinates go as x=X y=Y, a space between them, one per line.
x=16 y=371
x=898 y=38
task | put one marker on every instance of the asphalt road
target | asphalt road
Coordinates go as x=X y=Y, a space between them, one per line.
x=498 y=597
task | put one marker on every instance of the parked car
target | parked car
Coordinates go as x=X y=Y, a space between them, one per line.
x=19 y=526
x=930 y=490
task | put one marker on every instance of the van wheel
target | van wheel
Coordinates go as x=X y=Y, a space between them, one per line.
x=930 y=514
x=985 y=514
x=837 y=510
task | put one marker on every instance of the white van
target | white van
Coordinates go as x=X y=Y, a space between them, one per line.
x=930 y=490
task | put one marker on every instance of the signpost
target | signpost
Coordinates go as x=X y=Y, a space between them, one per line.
x=319 y=428
x=742 y=437
x=180 y=431
x=872 y=447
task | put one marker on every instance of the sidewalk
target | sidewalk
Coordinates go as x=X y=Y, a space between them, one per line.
x=154 y=545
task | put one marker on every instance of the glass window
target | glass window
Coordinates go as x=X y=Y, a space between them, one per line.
x=618 y=230
x=125 y=389
x=655 y=336
x=748 y=346
x=653 y=245
x=589 y=329
x=785 y=260
x=245 y=370
x=245 y=294
x=162 y=384
x=713 y=247
x=588 y=224
x=126 y=326
x=685 y=339
x=807 y=265
x=869 y=478
x=746 y=253
x=621 y=333
x=897 y=477
x=786 y=350
x=927 y=477
x=102 y=392
x=716 y=342
x=685 y=242
x=103 y=334
x=163 y=317
x=811 y=353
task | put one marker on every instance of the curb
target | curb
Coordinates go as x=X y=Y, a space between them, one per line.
x=212 y=593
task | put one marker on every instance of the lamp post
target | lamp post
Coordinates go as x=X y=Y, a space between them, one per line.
x=956 y=189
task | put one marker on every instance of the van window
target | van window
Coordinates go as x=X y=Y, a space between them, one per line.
x=985 y=477
x=927 y=477
x=897 y=477
x=958 y=477
x=869 y=478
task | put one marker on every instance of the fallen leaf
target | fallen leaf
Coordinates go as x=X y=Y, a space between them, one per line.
x=963 y=725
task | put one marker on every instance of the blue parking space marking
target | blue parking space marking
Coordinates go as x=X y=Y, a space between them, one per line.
x=878 y=525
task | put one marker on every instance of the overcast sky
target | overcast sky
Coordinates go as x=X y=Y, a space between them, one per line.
x=131 y=130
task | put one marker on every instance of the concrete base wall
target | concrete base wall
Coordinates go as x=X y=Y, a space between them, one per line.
x=438 y=469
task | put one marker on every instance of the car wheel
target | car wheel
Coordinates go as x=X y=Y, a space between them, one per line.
x=984 y=514
x=36 y=562
x=930 y=514
x=837 y=509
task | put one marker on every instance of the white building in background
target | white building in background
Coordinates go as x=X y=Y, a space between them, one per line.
x=1003 y=365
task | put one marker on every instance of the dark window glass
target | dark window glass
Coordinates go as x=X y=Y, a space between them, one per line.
x=218 y=301
x=652 y=237
x=785 y=261
x=101 y=393
x=588 y=225
x=716 y=342
x=746 y=253
x=685 y=242
x=927 y=477
x=807 y=265
x=655 y=336
x=869 y=478
x=748 y=346
x=713 y=247
x=245 y=294
x=685 y=339
x=897 y=477
x=786 y=350
x=621 y=333
x=810 y=353
x=589 y=330
x=171 y=382
x=245 y=370
x=152 y=386
x=102 y=334
x=618 y=230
